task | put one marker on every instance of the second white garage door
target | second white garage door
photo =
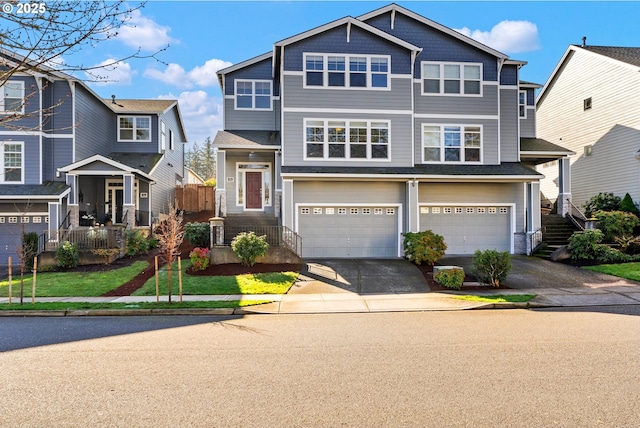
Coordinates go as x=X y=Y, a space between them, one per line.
x=469 y=228
x=349 y=231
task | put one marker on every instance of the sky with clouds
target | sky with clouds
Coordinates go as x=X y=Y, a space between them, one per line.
x=194 y=39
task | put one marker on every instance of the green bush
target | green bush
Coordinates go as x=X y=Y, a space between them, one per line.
x=30 y=247
x=199 y=258
x=627 y=205
x=584 y=245
x=616 y=223
x=137 y=243
x=450 y=278
x=423 y=247
x=67 y=255
x=248 y=247
x=602 y=202
x=491 y=266
x=198 y=234
x=607 y=254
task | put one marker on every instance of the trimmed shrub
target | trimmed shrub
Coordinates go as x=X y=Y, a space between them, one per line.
x=616 y=223
x=199 y=258
x=67 y=255
x=423 y=247
x=450 y=278
x=602 y=202
x=491 y=266
x=584 y=245
x=198 y=234
x=248 y=247
x=137 y=243
x=627 y=205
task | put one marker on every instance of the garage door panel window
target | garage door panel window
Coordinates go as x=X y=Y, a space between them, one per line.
x=451 y=143
x=346 y=140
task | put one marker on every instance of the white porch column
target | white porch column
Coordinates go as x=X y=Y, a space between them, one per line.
x=534 y=220
x=564 y=186
x=412 y=206
x=74 y=219
x=128 y=200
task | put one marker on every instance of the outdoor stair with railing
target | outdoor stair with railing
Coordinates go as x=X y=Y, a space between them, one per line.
x=556 y=231
x=262 y=224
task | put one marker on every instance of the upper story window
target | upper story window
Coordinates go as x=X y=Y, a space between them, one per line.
x=12 y=97
x=163 y=136
x=12 y=158
x=444 y=78
x=253 y=94
x=346 y=71
x=451 y=143
x=346 y=139
x=134 y=128
x=522 y=104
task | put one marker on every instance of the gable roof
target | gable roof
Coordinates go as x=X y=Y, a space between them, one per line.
x=108 y=161
x=626 y=56
x=240 y=65
x=247 y=139
x=394 y=8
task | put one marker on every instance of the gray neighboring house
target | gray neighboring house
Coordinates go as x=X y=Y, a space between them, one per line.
x=359 y=130
x=589 y=105
x=72 y=159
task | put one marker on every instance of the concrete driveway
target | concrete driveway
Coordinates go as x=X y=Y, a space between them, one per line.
x=361 y=276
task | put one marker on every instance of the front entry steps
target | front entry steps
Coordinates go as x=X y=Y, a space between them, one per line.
x=556 y=231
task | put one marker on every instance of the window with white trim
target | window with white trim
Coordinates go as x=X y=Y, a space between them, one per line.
x=377 y=211
x=522 y=104
x=342 y=211
x=451 y=143
x=391 y=211
x=134 y=128
x=346 y=71
x=446 y=78
x=493 y=210
x=354 y=211
x=13 y=219
x=317 y=210
x=304 y=210
x=12 y=97
x=1 y=219
x=25 y=220
x=12 y=158
x=253 y=94
x=171 y=140
x=37 y=219
x=163 y=136
x=482 y=210
x=346 y=139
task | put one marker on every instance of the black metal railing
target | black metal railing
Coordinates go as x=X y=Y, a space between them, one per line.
x=535 y=240
x=278 y=236
x=576 y=216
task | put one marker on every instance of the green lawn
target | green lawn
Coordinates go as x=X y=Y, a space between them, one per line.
x=79 y=306
x=260 y=283
x=65 y=284
x=498 y=298
x=623 y=270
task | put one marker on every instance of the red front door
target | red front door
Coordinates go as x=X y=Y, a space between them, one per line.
x=253 y=190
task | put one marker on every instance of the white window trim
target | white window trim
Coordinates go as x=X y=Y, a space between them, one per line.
x=244 y=183
x=163 y=136
x=171 y=140
x=442 y=146
x=325 y=72
x=253 y=94
x=2 y=97
x=522 y=105
x=442 y=79
x=347 y=143
x=135 y=127
x=2 y=174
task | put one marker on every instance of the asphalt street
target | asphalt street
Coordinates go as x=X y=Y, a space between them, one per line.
x=472 y=368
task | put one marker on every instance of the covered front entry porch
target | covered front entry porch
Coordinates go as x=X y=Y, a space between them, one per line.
x=105 y=192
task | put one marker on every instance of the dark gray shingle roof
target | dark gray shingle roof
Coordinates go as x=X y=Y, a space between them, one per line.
x=142 y=161
x=624 y=54
x=539 y=145
x=20 y=191
x=246 y=138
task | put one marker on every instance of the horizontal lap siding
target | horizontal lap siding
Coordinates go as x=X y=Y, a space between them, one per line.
x=250 y=120
x=611 y=126
x=475 y=193
x=399 y=140
x=95 y=125
x=486 y=105
x=348 y=192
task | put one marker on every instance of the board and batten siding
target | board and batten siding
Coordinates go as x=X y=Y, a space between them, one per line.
x=489 y=136
x=399 y=139
x=611 y=126
x=509 y=117
x=476 y=193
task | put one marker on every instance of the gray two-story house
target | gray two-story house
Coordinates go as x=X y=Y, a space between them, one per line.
x=357 y=131
x=72 y=159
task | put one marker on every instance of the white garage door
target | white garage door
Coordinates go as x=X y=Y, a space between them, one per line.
x=349 y=231
x=467 y=229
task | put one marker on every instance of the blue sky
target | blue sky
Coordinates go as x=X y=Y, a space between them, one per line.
x=204 y=36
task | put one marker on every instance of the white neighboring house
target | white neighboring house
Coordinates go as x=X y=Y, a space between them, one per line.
x=191 y=177
x=589 y=105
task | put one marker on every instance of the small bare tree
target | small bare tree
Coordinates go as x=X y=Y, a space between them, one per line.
x=170 y=234
x=25 y=249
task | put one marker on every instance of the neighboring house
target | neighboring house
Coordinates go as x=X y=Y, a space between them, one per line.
x=359 y=130
x=73 y=159
x=191 y=177
x=590 y=106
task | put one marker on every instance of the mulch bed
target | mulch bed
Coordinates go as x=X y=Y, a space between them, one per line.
x=427 y=273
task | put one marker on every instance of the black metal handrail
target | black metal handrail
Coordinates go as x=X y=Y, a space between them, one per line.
x=576 y=216
x=279 y=236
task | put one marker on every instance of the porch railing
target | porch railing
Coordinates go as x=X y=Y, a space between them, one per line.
x=278 y=236
x=576 y=216
x=535 y=240
x=87 y=238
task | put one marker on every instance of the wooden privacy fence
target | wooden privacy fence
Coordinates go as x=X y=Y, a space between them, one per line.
x=195 y=197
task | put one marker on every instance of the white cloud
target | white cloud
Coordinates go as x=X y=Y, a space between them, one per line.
x=507 y=36
x=142 y=32
x=200 y=76
x=201 y=114
x=110 y=72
